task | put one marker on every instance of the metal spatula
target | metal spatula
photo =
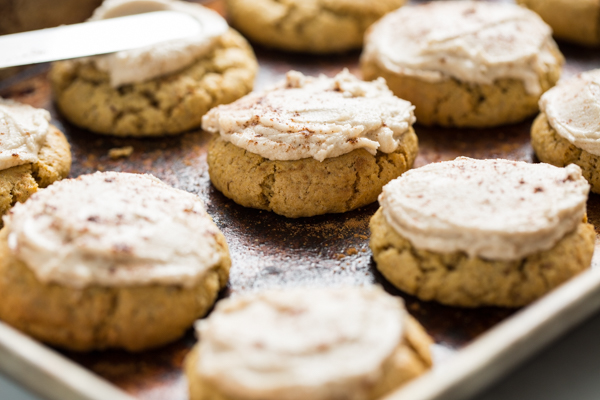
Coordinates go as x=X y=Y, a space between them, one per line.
x=97 y=37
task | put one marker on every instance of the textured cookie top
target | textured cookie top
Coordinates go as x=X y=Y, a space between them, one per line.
x=494 y=209
x=113 y=229
x=139 y=65
x=476 y=42
x=573 y=110
x=300 y=343
x=23 y=131
x=314 y=26
x=322 y=117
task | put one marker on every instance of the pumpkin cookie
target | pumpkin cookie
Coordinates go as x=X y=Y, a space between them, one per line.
x=312 y=26
x=463 y=63
x=483 y=232
x=311 y=146
x=318 y=344
x=567 y=131
x=577 y=21
x=161 y=90
x=33 y=153
x=121 y=261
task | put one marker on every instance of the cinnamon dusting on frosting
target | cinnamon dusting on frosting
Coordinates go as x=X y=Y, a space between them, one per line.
x=300 y=343
x=470 y=41
x=113 y=229
x=494 y=209
x=321 y=118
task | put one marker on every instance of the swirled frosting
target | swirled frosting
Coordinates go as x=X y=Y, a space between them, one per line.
x=477 y=42
x=573 y=110
x=113 y=229
x=139 y=65
x=494 y=209
x=300 y=343
x=322 y=117
x=23 y=131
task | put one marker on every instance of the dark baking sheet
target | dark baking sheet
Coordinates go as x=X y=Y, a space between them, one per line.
x=268 y=250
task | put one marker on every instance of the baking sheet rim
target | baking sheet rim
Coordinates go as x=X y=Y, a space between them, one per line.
x=508 y=344
x=470 y=370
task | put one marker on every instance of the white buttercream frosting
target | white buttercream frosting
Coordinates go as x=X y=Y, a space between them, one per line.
x=113 y=229
x=23 y=131
x=573 y=110
x=300 y=343
x=477 y=42
x=322 y=117
x=139 y=65
x=494 y=209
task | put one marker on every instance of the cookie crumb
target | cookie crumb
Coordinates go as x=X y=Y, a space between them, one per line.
x=351 y=251
x=120 y=152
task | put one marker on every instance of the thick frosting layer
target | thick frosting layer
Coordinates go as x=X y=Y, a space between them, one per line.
x=320 y=117
x=573 y=110
x=494 y=209
x=476 y=42
x=139 y=65
x=300 y=343
x=113 y=229
x=23 y=131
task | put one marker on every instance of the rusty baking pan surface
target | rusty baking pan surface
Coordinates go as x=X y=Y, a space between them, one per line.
x=268 y=250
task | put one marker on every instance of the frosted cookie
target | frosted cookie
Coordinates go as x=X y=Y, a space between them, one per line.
x=567 y=131
x=483 y=232
x=297 y=344
x=313 y=26
x=109 y=260
x=159 y=90
x=311 y=146
x=463 y=63
x=573 y=20
x=33 y=153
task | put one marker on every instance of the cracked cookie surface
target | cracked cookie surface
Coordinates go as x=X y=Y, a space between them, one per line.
x=306 y=187
x=98 y=317
x=163 y=106
x=554 y=149
x=459 y=280
x=573 y=20
x=20 y=182
x=313 y=26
